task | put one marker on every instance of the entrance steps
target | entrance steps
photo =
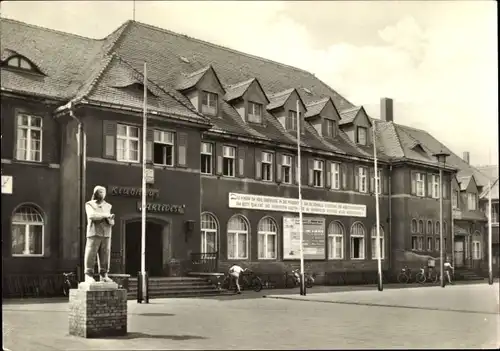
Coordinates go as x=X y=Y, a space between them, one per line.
x=165 y=287
x=466 y=274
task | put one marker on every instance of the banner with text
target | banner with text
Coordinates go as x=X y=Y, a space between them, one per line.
x=283 y=204
x=313 y=238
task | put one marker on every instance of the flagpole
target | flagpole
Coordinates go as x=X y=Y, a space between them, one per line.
x=490 y=250
x=143 y=193
x=301 y=234
x=377 y=213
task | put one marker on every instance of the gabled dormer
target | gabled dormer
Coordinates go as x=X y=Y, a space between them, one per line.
x=204 y=89
x=12 y=60
x=323 y=116
x=249 y=99
x=356 y=124
x=469 y=193
x=283 y=105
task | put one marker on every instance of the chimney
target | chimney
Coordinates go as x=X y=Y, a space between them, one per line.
x=386 y=110
x=466 y=156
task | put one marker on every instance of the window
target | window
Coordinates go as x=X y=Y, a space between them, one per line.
x=268 y=233
x=417 y=243
x=357 y=241
x=27 y=232
x=445 y=227
x=454 y=199
x=420 y=178
x=335 y=241
x=291 y=121
x=429 y=244
x=435 y=186
x=361 y=134
x=19 y=62
x=267 y=166
x=29 y=138
x=209 y=230
x=362 y=186
x=374 y=243
x=163 y=148
x=414 y=226
x=237 y=238
x=494 y=213
x=254 y=112
x=228 y=166
x=335 y=174
x=377 y=179
x=286 y=169
x=437 y=229
x=127 y=143
x=329 y=128
x=476 y=250
x=206 y=158
x=437 y=245
x=429 y=227
x=318 y=173
x=472 y=201
x=209 y=103
x=421 y=226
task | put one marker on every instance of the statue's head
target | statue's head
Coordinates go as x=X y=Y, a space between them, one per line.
x=99 y=193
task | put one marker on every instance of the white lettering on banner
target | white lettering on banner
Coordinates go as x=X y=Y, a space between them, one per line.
x=313 y=238
x=6 y=184
x=283 y=204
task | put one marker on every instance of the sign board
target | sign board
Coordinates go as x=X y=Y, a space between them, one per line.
x=6 y=184
x=283 y=204
x=149 y=174
x=313 y=238
x=161 y=208
x=131 y=191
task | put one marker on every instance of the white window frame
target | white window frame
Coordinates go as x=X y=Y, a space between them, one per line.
x=358 y=139
x=374 y=242
x=254 y=112
x=335 y=174
x=164 y=138
x=266 y=232
x=437 y=244
x=208 y=218
x=494 y=213
x=476 y=250
x=472 y=201
x=437 y=228
x=330 y=127
x=18 y=61
x=435 y=186
x=332 y=241
x=211 y=98
x=292 y=115
x=286 y=167
x=207 y=150
x=420 y=184
x=128 y=139
x=40 y=222
x=237 y=233
x=454 y=198
x=318 y=167
x=230 y=156
x=362 y=179
x=429 y=241
x=28 y=128
x=358 y=236
x=419 y=242
x=267 y=162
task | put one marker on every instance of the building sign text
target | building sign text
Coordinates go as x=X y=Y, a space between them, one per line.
x=131 y=191
x=6 y=184
x=161 y=208
x=313 y=238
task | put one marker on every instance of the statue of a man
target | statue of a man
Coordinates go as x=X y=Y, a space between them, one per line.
x=100 y=220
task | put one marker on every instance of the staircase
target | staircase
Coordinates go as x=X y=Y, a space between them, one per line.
x=466 y=274
x=164 y=287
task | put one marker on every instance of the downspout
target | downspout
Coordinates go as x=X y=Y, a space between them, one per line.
x=82 y=156
x=391 y=251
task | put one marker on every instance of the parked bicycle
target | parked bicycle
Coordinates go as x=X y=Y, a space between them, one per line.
x=405 y=276
x=293 y=280
x=431 y=275
x=248 y=280
x=69 y=282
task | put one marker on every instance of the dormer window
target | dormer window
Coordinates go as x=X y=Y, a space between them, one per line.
x=472 y=201
x=209 y=103
x=254 y=112
x=19 y=62
x=291 y=121
x=361 y=135
x=329 y=128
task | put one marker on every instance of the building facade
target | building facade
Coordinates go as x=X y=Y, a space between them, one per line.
x=221 y=156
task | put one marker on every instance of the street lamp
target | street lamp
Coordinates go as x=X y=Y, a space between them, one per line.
x=441 y=158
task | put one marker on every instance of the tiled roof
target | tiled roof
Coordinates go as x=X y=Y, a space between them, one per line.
x=491 y=172
x=189 y=80
x=237 y=90
x=314 y=108
x=348 y=115
x=278 y=99
x=464 y=182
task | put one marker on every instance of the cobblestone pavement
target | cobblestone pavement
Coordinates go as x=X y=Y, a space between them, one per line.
x=461 y=316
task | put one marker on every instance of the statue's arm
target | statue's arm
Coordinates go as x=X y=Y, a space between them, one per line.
x=94 y=216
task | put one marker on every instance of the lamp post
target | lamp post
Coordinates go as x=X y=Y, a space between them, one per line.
x=441 y=158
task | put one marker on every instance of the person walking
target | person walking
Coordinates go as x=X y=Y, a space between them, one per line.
x=447 y=268
x=234 y=273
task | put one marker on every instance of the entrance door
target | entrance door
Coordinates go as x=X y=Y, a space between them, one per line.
x=154 y=249
x=459 y=252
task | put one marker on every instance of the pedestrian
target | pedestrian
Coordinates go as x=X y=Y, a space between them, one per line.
x=234 y=273
x=447 y=268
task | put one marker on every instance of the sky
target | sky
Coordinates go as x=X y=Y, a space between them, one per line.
x=437 y=60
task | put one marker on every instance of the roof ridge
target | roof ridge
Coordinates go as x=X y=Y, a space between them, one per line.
x=198 y=71
x=120 y=30
x=107 y=61
x=48 y=29
x=316 y=102
x=240 y=84
x=350 y=109
x=281 y=93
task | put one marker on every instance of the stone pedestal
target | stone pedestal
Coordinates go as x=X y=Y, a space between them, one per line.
x=98 y=310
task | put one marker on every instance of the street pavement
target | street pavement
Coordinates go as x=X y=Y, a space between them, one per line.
x=458 y=316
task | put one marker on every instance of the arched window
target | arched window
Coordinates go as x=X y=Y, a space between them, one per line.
x=27 y=232
x=268 y=234
x=335 y=241
x=414 y=228
x=374 y=242
x=237 y=238
x=357 y=241
x=209 y=233
x=421 y=226
x=437 y=230
x=429 y=227
x=19 y=62
x=445 y=227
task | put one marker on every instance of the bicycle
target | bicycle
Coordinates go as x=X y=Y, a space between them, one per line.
x=404 y=277
x=431 y=276
x=249 y=280
x=69 y=278
x=293 y=280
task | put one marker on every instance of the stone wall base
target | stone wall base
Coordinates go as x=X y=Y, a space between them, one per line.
x=97 y=313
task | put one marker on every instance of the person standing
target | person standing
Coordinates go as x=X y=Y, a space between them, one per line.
x=234 y=273
x=447 y=268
